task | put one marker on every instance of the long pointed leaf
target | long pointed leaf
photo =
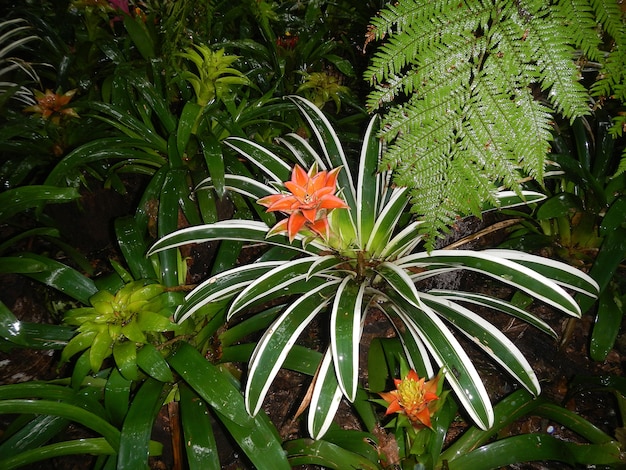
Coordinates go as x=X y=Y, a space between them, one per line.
x=271 y=164
x=499 y=305
x=502 y=269
x=278 y=280
x=368 y=187
x=256 y=435
x=325 y=398
x=449 y=354
x=488 y=338
x=345 y=334
x=277 y=341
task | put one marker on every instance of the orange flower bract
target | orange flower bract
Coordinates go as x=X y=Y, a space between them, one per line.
x=413 y=397
x=52 y=105
x=311 y=196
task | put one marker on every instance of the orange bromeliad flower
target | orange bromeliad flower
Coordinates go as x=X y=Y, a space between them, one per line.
x=413 y=397
x=52 y=105
x=312 y=196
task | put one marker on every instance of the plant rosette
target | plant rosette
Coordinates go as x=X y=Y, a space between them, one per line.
x=120 y=324
x=341 y=261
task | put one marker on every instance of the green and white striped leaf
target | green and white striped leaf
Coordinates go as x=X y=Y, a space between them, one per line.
x=508 y=199
x=496 y=304
x=488 y=338
x=242 y=230
x=243 y=185
x=386 y=222
x=562 y=273
x=303 y=152
x=368 y=186
x=325 y=399
x=399 y=281
x=270 y=163
x=330 y=146
x=345 y=334
x=276 y=282
x=279 y=338
x=222 y=286
x=448 y=354
x=502 y=269
x=403 y=242
x=413 y=346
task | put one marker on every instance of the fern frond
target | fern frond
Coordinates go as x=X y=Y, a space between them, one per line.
x=465 y=79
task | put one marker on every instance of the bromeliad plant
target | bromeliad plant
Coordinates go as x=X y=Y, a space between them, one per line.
x=341 y=261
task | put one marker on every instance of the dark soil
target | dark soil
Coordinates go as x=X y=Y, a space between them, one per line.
x=90 y=230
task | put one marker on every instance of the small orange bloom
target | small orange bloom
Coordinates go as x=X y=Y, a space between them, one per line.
x=413 y=397
x=312 y=196
x=52 y=105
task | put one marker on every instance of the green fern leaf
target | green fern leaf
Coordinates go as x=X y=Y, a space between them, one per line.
x=470 y=90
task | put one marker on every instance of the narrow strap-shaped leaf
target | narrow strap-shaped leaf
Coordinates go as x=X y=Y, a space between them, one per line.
x=277 y=341
x=330 y=146
x=277 y=281
x=607 y=325
x=33 y=433
x=19 y=199
x=271 y=164
x=537 y=447
x=497 y=304
x=89 y=446
x=152 y=362
x=488 y=338
x=244 y=230
x=386 y=222
x=450 y=355
x=325 y=399
x=167 y=222
x=508 y=199
x=502 y=269
x=132 y=243
x=324 y=454
x=403 y=242
x=222 y=285
x=64 y=410
x=414 y=348
x=303 y=152
x=562 y=273
x=243 y=185
x=32 y=335
x=117 y=396
x=398 y=279
x=186 y=125
x=200 y=444
x=345 y=334
x=256 y=435
x=214 y=158
x=368 y=186
x=63 y=278
x=134 y=448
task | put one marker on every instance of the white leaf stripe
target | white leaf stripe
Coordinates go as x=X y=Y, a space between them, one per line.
x=222 y=285
x=411 y=342
x=562 y=273
x=504 y=270
x=278 y=280
x=404 y=242
x=302 y=151
x=496 y=304
x=325 y=398
x=399 y=281
x=252 y=151
x=278 y=340
x=345 y=334
x=240 y=184
x=493 y=341
x=386 y=222
x=447 y=352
